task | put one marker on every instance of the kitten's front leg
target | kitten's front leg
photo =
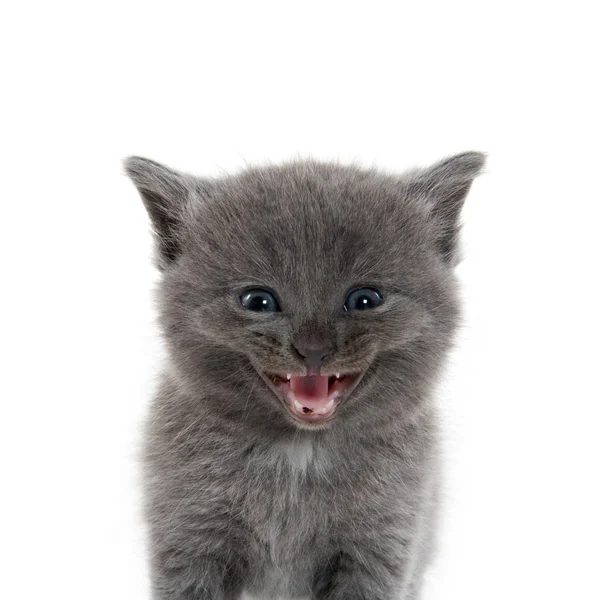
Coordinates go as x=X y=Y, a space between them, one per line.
x=367 y=577
x=205 y=578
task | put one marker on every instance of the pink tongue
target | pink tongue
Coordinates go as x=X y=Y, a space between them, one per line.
x=311 y=391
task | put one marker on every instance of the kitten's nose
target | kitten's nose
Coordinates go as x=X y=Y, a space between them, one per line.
x=312 y=355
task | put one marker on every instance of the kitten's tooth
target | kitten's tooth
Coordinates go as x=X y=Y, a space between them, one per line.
x=288 y=376
x=337 y=375
x=325 y=409
x=298 y=405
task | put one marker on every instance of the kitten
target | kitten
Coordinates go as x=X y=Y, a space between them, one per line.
x=307 y=309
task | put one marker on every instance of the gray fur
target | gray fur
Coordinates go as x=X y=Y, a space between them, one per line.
x=240 y=496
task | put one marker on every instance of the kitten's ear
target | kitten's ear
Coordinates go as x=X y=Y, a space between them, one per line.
x=166 y=194
x=444 y=186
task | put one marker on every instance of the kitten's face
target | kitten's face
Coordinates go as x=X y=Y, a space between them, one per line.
x=307 y=292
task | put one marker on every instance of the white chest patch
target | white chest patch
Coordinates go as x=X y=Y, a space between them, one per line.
x=299 y=453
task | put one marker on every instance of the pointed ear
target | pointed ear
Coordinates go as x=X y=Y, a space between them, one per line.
x=444 y=187
x=166 y=194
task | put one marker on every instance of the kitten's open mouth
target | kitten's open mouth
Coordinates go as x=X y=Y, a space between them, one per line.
x=314 y=398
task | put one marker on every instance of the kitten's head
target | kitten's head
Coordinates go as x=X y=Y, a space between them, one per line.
x=308 y=294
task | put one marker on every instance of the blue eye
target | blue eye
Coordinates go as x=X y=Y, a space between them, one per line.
x=259 y=300
x=362 y=299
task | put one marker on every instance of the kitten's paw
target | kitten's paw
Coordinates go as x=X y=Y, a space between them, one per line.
x=203 y=579
x=344 y=579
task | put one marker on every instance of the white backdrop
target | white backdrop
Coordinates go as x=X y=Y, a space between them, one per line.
x=210 y=86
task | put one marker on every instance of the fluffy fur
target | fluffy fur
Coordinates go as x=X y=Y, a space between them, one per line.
x=239 y=495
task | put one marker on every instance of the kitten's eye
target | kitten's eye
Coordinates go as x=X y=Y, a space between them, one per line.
x=259 y=300
x=362 y=299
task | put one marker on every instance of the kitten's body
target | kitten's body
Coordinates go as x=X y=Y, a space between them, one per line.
x=243 y=495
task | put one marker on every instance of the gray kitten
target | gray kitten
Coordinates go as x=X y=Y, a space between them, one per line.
x=308 y=309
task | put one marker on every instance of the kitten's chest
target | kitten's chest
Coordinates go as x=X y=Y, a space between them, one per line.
x=286 y=509
x=282 y=487
x=297 y=499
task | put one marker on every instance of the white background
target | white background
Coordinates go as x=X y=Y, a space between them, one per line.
x=209 y=86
